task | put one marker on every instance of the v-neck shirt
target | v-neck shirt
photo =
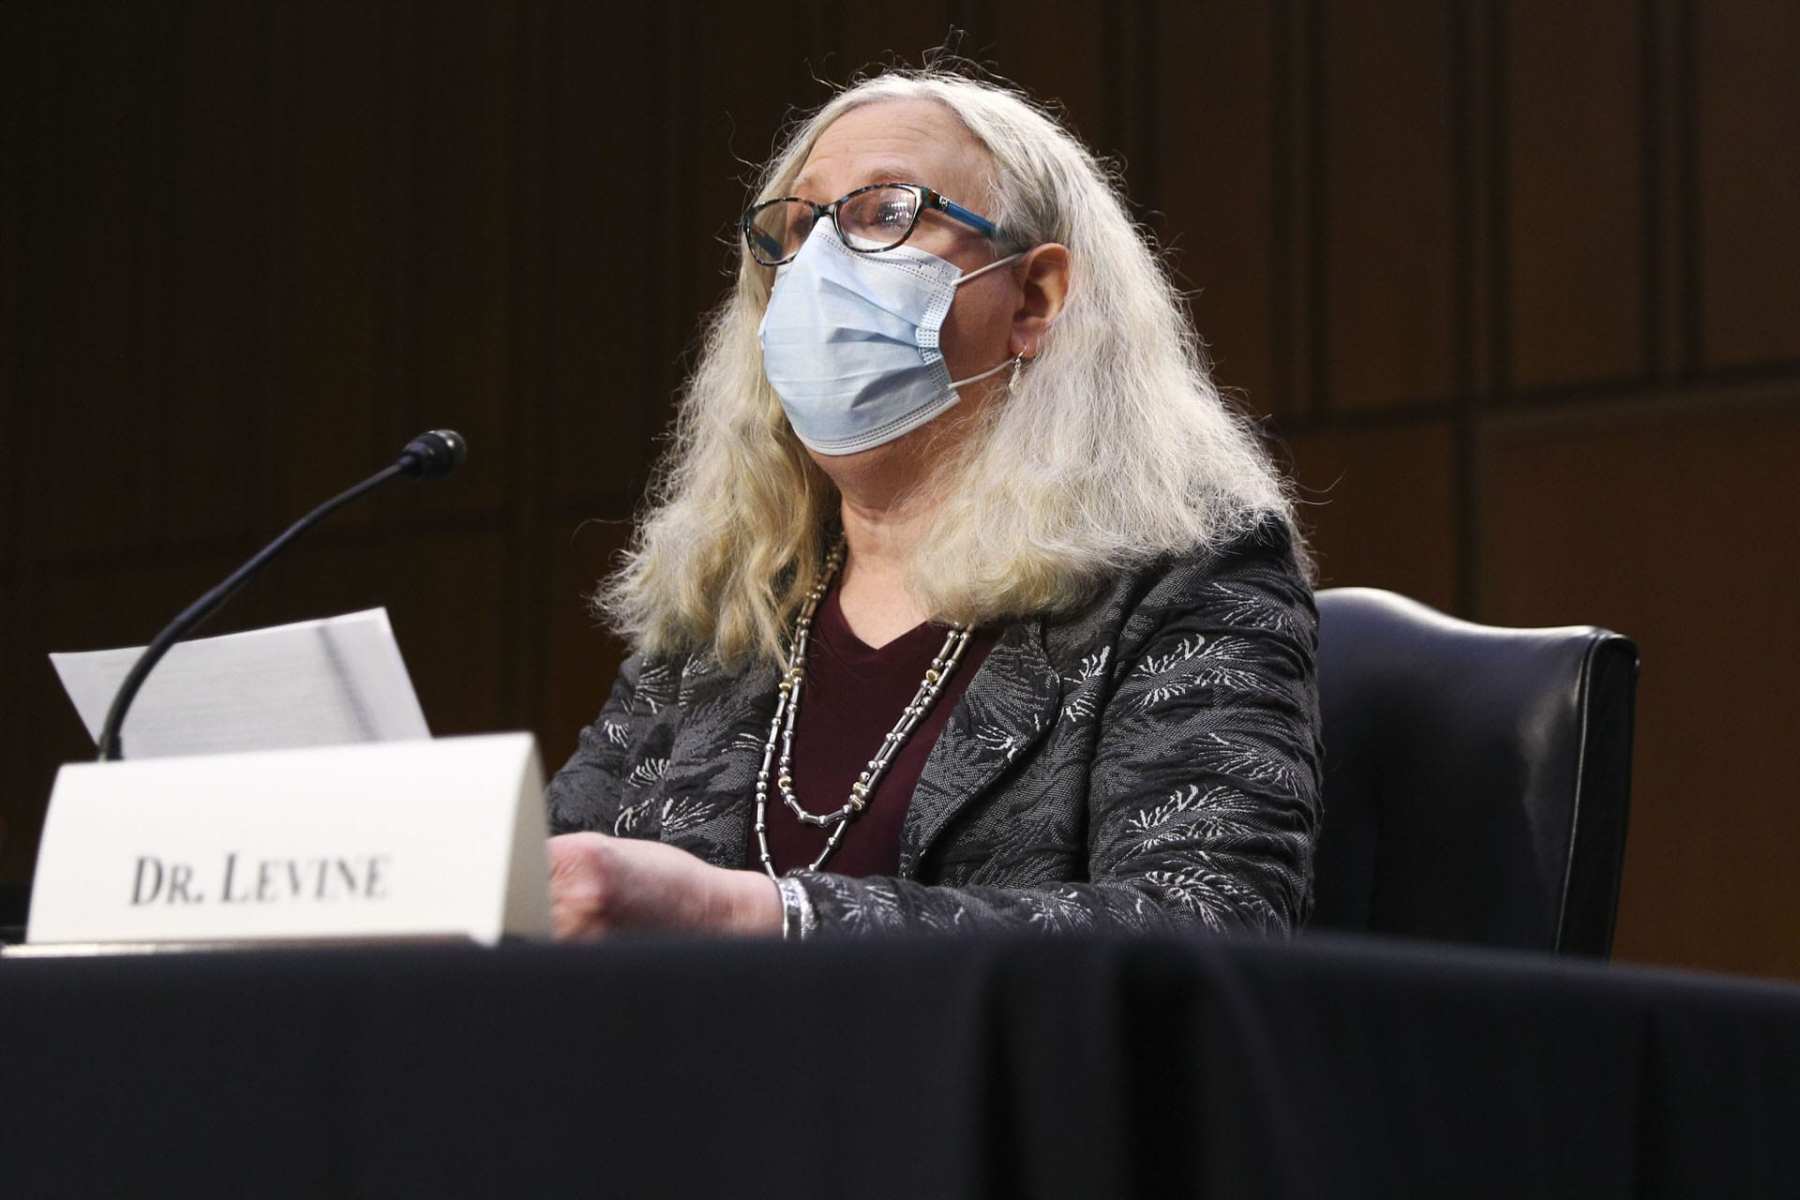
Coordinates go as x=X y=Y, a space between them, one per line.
x=853 y=694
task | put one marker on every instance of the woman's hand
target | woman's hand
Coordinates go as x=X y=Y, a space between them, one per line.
x=601 y=885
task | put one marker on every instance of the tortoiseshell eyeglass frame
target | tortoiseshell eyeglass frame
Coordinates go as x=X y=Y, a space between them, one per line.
x=770 y=255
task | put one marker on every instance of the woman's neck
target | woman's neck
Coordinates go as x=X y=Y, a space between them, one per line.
x=872 y=593
x=885 y=511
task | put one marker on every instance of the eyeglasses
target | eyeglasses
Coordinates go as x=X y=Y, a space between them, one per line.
x=869 y=220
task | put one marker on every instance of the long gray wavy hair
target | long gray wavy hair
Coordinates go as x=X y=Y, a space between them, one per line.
x=1114 y=448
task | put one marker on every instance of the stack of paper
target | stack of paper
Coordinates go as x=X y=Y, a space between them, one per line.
x=315 y=683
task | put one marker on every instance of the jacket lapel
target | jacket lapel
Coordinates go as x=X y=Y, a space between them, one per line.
x=708 y=803
x=1008 y=706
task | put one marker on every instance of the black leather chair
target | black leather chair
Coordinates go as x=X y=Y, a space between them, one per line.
x=1477 y=779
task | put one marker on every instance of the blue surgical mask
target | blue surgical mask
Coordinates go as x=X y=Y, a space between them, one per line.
x=850 y=341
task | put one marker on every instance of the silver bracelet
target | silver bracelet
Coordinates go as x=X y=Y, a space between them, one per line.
x=798 y=921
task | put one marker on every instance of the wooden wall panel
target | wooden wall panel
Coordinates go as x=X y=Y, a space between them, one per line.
x=1575 y=191
x=332 y=244
x=1060 y=54
x=15 y=85
x=1377 y=504
x=1386 y=215
x=608 y=364
x=1697 y=561
x=583 y=656
x=23 y=783
x=80 y=340
x=1749 y=179
x=866 y=35
x=1215 y=164
x=212 y=214
x=452 y=140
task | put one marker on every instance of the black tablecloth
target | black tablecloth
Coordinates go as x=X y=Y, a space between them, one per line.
x=940 y=1068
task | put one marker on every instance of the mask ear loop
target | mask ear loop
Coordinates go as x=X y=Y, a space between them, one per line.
x=1018 y=360
x=978 y=272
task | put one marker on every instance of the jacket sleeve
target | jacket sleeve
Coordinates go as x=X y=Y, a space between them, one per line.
x=1203 y=793
x=597 y=788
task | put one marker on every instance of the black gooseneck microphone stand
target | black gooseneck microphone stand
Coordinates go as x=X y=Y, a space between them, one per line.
x=429 y=456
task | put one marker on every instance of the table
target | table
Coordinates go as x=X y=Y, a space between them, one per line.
x=1332 y=1066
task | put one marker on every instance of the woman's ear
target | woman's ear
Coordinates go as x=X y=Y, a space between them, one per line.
x=1043 y=276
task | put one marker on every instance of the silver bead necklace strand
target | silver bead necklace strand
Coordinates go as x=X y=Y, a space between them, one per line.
x=787 y=710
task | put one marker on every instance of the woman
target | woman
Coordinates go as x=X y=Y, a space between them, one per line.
x=963 y=601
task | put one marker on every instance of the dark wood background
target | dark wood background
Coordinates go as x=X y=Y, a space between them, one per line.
x=1516 y=284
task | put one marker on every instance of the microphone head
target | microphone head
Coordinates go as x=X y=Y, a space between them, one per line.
x=434 y=454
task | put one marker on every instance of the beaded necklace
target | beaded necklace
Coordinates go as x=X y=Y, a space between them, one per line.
x=787 y=709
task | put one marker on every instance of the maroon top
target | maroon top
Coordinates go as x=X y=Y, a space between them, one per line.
x=854 y=693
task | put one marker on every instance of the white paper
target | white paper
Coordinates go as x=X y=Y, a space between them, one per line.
x=314 y=683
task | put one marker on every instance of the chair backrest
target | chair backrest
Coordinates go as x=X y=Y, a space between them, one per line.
x=1477 y=779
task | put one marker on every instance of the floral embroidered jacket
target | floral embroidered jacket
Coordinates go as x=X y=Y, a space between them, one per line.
x=1151 y=762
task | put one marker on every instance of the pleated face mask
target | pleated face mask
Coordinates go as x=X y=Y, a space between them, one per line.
x=850 y=341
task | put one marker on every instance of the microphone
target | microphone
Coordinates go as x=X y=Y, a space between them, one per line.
x=431 y=455
x=434 y=454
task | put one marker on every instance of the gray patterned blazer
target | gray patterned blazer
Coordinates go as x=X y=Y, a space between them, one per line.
x=1150 y=762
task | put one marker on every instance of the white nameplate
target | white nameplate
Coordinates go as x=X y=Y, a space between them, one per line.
x=400 y=839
